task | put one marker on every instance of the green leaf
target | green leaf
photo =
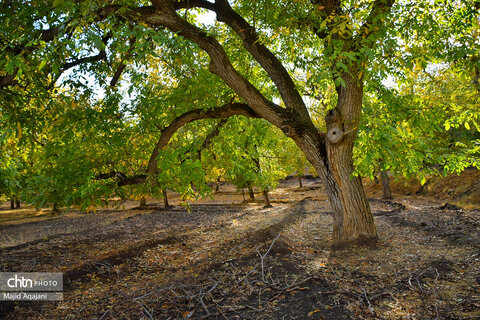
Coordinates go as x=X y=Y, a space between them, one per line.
x=42 y=64
x=57 y=3
x=97 y=41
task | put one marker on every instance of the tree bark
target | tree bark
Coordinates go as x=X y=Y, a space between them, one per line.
x=251 y=193
x=165 y=198
x=332 y=158
x=266 y=198
x=300 y=184
x=12 y=203
x=387 y=192
x=17 y=203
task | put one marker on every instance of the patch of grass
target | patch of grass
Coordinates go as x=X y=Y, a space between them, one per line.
x=23 y=215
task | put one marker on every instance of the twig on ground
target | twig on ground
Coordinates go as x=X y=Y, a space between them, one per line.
x=262 y=257
x=103 y=315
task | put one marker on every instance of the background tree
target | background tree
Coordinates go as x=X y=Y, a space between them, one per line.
x=252 y=157
x=428 y=126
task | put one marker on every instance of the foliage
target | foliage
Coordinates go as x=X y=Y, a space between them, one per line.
x=252 y=156
x=429 y=125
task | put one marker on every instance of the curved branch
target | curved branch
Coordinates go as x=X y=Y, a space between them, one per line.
x=123 y=180
x=251 y=42
x=21 y=49
x=228 y=110
x=163 y=14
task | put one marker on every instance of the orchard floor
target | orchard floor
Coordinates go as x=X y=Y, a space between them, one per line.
x=222 y=258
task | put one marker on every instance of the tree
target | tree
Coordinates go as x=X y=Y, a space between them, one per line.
x=252 y=157
x=428 y=125
x=253 y=48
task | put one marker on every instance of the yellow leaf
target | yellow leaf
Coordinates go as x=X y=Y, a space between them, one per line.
x=19 y=127
x=311 y=313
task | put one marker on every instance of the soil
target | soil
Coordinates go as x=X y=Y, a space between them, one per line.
x=222 y=258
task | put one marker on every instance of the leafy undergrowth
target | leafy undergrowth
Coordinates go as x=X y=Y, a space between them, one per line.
x=221 y=261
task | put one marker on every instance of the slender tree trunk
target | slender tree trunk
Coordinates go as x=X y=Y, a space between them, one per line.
x=217 y=185
x=387 y=192
x=300 y=184
x=55 y=208
x=12 y=203
x=251 y=193
x=333 y=161
x=17 y=203
x=165 y=198
x=266 y=198
x=143 y=202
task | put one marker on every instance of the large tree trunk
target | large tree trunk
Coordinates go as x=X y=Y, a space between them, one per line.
x=17 y=203
x=333 y=160
x=12 y=203
x=387 y=192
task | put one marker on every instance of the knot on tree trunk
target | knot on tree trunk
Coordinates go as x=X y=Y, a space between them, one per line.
x=335 y=135
x=287 y=130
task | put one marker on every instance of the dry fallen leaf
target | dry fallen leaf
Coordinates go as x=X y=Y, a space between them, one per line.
x=311 y=313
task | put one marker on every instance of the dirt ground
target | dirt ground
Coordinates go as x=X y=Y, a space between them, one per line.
x=222 y=258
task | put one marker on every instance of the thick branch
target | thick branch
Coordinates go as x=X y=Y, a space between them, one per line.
x=193 y=115
x=112 y=174
x=260 y=52
x=163 y=14
x=136 y=179
x=100 y=56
